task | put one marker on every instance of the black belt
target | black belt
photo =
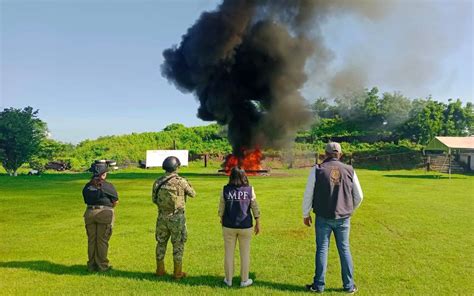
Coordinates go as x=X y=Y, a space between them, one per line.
x=98 y=207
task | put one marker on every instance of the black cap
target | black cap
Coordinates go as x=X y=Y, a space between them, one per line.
x=171 y=164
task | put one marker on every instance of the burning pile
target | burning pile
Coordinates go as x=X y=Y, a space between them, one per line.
x=249 y=160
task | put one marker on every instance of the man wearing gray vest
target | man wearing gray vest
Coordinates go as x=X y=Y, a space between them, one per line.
x=333 y=192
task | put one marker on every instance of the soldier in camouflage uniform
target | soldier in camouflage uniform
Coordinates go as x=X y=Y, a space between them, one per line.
x=169 y=194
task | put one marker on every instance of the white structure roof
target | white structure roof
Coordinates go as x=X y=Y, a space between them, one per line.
x=446 y=143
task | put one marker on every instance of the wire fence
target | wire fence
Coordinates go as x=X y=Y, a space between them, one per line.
x=301 y=159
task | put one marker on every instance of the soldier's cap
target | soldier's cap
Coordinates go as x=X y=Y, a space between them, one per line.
x=99 y=168
x=333 y=147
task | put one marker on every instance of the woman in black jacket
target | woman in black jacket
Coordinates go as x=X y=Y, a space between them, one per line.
x=101 y=198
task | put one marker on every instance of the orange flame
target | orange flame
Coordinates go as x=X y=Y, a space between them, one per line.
x=250 y=161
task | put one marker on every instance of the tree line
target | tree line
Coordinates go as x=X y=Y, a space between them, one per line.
x=364 y=121
x=390 y=117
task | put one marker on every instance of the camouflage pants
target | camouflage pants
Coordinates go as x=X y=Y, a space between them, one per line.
x=173 y=226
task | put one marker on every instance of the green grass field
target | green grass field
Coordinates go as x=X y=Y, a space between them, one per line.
x=413 y=235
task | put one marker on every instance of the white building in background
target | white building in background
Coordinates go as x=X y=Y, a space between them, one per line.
x=460 y=149
x=154 y=158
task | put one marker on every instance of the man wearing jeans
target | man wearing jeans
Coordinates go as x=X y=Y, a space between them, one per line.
x=333 y=192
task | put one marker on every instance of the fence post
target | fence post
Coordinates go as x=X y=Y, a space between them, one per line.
x=428 y=163
x=205 y=160
x=449 y=164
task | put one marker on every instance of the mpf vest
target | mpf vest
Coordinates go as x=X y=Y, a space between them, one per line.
x=332 y=198
x=237 y=207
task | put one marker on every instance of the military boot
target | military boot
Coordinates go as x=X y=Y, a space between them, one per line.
x=178 y=270
x=160 y=267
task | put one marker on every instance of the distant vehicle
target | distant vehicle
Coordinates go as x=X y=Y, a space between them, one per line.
x=57 y=165
x=33 y=172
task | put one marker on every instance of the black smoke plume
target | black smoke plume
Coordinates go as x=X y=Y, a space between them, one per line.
x=245 y=62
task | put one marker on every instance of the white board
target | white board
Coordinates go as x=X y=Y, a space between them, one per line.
x=154 y=158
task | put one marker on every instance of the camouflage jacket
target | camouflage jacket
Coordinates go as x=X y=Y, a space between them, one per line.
x=172 y=194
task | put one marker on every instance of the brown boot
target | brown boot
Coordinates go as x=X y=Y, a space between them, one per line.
x=160 y=267
x=178 y=270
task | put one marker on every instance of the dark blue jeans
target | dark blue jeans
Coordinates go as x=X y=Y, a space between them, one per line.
x=341 y=229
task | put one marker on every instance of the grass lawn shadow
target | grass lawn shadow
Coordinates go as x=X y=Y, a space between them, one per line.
x=431 y=177
x=191 y=280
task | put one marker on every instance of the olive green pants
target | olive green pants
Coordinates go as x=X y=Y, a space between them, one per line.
x=99 y=224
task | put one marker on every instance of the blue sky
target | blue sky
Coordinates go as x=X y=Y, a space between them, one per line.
x=93 y=67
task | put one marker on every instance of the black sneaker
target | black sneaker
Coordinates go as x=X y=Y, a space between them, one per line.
x=311 y=289
x=351 y=291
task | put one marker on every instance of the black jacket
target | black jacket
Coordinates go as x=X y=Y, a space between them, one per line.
x=104 y=196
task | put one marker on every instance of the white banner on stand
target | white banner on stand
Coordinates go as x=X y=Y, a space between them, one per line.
x=154 y=158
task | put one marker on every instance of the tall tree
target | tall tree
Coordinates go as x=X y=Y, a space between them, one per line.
x=21 y=132
x=394 y=109
x=371 y=106
x=458 y=120
x=349 y=106
x=429 y=118
x=322 y=109
x=426 y=121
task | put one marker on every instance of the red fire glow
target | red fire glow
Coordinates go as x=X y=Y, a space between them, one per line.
x=250 y=161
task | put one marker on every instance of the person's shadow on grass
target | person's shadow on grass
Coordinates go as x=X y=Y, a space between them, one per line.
x=199 y=280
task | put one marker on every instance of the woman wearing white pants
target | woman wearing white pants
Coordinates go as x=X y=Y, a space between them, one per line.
x=237 y=204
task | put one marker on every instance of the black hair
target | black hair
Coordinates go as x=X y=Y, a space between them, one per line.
x=238 y=178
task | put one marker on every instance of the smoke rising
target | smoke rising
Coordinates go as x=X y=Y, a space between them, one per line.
x=403 y=46
x=245 y=64
x=247 y=61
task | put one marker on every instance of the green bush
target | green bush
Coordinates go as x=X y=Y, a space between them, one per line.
x=38 y=163
x=129 y=149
